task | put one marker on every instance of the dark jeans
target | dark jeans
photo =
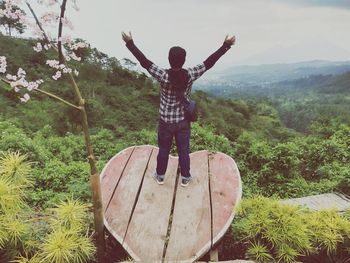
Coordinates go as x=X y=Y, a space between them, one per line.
x=166 y=132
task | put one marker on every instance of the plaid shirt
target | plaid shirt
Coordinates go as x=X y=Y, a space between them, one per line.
x=171 y=110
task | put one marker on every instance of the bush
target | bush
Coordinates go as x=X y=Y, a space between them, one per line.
x=32 y=236
x=57 y=179
x=268 y=230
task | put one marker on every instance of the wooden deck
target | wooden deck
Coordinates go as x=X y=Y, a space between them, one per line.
x=322 y=201
x=169 y=223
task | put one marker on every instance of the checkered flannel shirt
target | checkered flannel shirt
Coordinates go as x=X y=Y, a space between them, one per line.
x=171 y=110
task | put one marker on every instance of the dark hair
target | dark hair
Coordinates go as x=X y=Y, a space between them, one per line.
x=179 y=77
x=177 y=56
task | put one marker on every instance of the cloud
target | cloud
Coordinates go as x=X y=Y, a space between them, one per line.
x=343 y=4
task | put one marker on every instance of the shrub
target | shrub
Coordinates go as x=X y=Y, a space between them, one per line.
x=30 y=236
x=268 y=230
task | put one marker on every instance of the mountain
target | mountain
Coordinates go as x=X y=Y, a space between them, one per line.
x=266 y=74
x=301 y=51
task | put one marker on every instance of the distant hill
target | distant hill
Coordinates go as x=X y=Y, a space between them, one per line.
x=304 y=50
x=271 y=73
x=320 y=84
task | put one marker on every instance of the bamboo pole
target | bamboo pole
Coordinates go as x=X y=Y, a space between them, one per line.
x=94 y=175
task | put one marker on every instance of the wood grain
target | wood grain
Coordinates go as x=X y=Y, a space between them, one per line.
x=111 y=174
x=151 y=216
x=191 y=229
x=119 y=210
x=226 y=192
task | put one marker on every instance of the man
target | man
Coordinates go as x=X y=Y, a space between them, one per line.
x=173 y=121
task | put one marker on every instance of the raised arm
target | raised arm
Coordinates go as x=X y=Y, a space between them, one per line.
x=156 y=72
x=135 y=51
x=199 y=70
x=213 y=58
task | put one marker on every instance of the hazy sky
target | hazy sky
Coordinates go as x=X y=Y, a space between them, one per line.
x=267 y=31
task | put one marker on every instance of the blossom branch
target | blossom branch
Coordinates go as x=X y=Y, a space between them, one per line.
x=48 y=94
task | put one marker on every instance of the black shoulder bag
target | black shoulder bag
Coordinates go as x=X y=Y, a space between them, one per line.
x=190 y=107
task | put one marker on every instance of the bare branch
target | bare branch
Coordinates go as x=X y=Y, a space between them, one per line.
x=38 y=23
x=60 y=28
x=57 y=98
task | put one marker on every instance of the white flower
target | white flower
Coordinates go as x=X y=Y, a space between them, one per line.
x=76 y=72
x=67 y=70
x=38 y=47
x=25 y=98
x=57 y=75
x=53 y=63
x=3 y=64
x=75 y=57
x=21 y=73
x=11 y=77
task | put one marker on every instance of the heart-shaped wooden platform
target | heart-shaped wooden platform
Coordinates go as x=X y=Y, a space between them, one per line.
x=169 y=223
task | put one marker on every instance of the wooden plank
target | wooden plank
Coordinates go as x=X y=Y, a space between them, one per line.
x=111 y=173
x=191 y=225
x=119 y=210
x=147 y=231
x=322 y=201
x=226 y=192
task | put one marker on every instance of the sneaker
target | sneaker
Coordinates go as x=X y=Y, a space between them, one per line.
x=159 y=178
x=185 y=181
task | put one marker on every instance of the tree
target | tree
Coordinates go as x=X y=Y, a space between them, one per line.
x=65 y=49
x=12 y=22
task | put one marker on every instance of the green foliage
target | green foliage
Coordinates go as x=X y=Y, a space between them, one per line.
x=15 y=139
x=57 y=179
x=58 y=236
x=288 y=233
x=65 y=242
x=259 y=252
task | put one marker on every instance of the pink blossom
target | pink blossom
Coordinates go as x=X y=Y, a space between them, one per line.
x=3 y=64
x=66 y=39
x=57 y=75
x=21 y=73
x=25 y=98
x=38 y=47
x=34 y=84
x=67 y=70
x=78 y=45
x=49 y=17
x=75 y=57
x=53 y=63
x=11 y=77
x=47 y=46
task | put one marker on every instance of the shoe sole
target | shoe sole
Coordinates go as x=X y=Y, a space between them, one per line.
x=184 y=185
x=160 y=183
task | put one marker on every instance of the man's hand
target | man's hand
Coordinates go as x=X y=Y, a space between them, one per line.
x=230 y=40
x=126 y=37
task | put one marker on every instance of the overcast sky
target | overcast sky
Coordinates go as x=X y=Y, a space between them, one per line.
x=267 y=31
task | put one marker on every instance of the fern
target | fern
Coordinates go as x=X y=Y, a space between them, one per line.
x=69 y=214
x=259 y=252
x=14 y=166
